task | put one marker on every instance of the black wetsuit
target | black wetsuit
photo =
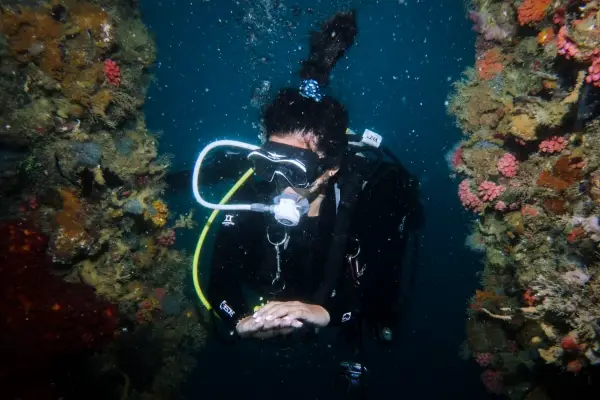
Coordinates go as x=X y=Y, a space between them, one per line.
x=244 y=262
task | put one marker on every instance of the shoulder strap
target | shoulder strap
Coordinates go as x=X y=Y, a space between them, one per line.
x=354 y=173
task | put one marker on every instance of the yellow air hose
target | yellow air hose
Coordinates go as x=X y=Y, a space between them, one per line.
x=126 y=385
x=213 y=216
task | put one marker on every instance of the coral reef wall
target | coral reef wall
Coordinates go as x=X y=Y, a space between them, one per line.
x=528 y=171
x=91 y=284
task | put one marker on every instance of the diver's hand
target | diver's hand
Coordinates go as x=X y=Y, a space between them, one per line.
x=249 y=327
x=272 y=333
x=278 y=314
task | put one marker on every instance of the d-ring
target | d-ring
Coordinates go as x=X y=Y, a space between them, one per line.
x=357 y=250
x=285 y=237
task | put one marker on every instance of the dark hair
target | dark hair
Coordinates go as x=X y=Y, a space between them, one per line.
x=328 y=118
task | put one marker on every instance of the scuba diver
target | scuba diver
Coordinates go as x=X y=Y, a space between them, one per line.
x=318 y=236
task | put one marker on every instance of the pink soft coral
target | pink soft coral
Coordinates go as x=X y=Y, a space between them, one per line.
x=508 y=165
x=501 y=206
x=467 y=198
x=566 y=46
x=555 y=144
x=483 y=359
x=489 y=191
x=593 y=76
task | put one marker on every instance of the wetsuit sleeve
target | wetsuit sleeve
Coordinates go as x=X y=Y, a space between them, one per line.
x=235 y=255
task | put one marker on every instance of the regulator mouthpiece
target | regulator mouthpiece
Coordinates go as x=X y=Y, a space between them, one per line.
x=289 y=208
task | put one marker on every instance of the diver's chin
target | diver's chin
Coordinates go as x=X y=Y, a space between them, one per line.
x=307 y=194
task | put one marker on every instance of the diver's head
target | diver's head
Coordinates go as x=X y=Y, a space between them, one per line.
x=297 y=120
x=313 y=132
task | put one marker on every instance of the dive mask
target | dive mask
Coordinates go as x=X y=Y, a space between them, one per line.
x=286 y=165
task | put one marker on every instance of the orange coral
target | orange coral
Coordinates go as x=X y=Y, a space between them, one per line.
x=92 y=19
x=60 y=50
x=546 y=179
x=26 y=26
x=33 y=35
x=555 y=206
x=158 y=214
x=71 y=235
x=565 y=172
x=532 y=11
x=545 y=36
x=70 y=218
x=483 y=297
x=490 y=64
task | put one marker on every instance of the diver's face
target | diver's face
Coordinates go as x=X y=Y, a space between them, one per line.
x=318 y=186
x=306 y=141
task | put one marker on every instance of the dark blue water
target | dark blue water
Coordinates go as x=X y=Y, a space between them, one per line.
x=212 y=54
